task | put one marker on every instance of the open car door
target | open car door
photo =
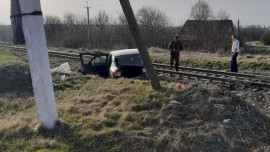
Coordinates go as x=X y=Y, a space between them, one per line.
x=95 y=63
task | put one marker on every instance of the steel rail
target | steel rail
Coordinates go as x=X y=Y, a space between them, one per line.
x=213 y=78
x=213 y=71
x=56 y=54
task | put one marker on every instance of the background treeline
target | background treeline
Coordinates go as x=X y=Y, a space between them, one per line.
x=71 y=31
x=108 y=32
x=5 y=33
x=252 y=32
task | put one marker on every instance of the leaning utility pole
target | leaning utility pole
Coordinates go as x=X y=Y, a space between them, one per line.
x=134 y=27
x=88 y=21
x=38 y=59
x=16 y=23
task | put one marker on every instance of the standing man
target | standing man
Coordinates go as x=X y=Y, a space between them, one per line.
x=235 y=51
x=175 y=46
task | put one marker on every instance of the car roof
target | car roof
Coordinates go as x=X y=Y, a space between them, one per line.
x=124 y=52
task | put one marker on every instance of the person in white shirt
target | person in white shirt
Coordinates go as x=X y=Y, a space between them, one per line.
x=235 y=52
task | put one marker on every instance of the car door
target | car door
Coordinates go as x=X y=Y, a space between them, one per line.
x=95 y=63
x=99 y=65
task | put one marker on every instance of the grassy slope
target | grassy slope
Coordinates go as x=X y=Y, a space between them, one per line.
x=5 y=58
x=95 y=113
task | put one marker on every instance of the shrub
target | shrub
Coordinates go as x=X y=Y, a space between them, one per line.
x=266 y=38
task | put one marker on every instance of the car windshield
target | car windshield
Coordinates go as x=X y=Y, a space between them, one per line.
x=129 y=60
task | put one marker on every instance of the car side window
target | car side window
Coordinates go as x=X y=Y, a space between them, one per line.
x=99 y=61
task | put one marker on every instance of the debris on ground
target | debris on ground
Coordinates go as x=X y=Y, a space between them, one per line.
x=63 y=78
x=181 y=86
x=63 y=68
x=176 y=102
x=226 y=120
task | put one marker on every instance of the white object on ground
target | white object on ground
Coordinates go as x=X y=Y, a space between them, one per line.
x=163 y=74
x=63 y=78
x=181 y=86
x=176 y=102
x=226 y=120
x=38 y=59
x=63 y=68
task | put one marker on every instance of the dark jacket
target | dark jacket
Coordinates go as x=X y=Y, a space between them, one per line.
x=175 y=47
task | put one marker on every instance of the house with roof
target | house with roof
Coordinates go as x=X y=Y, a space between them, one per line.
x=208 y=34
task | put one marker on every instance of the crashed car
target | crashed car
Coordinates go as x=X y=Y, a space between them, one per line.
x=121 y=63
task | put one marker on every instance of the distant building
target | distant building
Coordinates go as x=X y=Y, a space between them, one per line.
x=210 y=34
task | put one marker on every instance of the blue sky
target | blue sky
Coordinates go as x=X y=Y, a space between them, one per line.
x=248 y=11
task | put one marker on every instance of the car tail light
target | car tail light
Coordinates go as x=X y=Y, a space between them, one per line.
x=144 y=70
x=116 y=73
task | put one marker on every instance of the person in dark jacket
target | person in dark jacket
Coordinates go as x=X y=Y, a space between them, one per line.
x=175 y=46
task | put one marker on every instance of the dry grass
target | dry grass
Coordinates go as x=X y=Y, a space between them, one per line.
x=247 y=63
x=192 y=55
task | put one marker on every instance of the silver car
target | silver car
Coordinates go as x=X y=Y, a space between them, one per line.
x=121 y=63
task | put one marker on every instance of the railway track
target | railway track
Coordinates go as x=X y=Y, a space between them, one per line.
x=56 y=54
x=198 y=73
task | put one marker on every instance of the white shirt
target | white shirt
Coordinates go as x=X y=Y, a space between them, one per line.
x=235 y=46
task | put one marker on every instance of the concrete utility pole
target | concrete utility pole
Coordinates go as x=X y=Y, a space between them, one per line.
x=37 y=51
x=134 y=27
x=16 y=23
x=88 y=27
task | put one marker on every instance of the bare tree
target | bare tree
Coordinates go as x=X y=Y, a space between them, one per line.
x=106 y=32
x=101 y=23
x=122 y=32
x=75 y=31
x=71 y=20
x=50 y=19
x=266 y=38
x=53 y=29
x=101 y=20
x=153 y=22
x=201 y=11
x=252 y=32
x=122 y=19
x=5 y=33
x=223 y=15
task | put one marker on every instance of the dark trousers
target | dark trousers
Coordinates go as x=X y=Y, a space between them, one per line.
x=234 y=67
x=176 y=59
